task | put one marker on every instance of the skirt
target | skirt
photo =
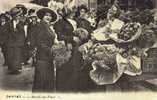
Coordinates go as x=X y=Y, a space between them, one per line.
x=44 y=77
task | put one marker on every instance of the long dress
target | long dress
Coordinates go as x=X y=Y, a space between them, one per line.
x=71 y=76
x=64 y=31
x=44 y=69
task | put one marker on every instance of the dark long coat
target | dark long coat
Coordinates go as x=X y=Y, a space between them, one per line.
x=71 y=76
x=44 y=69
x=32 y=33
x=3 y=33
x=3 y=39
x=64 y=31
x=15 y=43
x=16 y=37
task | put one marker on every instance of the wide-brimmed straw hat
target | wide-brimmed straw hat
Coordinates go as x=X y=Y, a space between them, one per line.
x=41 y=13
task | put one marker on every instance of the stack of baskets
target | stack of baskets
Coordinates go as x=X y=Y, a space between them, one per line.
x=149 y=64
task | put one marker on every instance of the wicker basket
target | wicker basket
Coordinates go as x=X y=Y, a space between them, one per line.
x=152 y=53
x=149 y=64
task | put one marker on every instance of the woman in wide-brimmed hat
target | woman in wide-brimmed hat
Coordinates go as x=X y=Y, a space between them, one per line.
x=44 y=11
x=67 y=32
x=64 y=29
x=44 y=39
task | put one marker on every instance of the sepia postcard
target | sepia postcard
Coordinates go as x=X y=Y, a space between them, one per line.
x=78 y=49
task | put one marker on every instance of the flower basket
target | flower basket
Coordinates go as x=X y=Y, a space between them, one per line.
x=130 y=32
x=61 y=54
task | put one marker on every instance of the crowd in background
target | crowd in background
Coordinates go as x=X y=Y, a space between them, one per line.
x=90 y=42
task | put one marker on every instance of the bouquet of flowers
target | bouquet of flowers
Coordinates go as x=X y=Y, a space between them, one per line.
x=81 y=33
x=128 y=31
x=102 y=58
x=61 y=53
x=98 y=51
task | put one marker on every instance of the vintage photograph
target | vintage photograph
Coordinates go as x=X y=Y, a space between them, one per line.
x=78 y=46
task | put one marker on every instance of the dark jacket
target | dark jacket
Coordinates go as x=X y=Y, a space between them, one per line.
x=16 y=37
x=44 y=41
x=3 y=34
x=64 y=30
x=32 y=33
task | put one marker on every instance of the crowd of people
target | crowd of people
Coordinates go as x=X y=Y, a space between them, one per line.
x=71 y=49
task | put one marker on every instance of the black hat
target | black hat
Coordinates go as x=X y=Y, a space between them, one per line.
x=3 y=16
x=31 y=11
x=15 y=11
x=83 y=7
x=41 y=13
x=24 y=9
